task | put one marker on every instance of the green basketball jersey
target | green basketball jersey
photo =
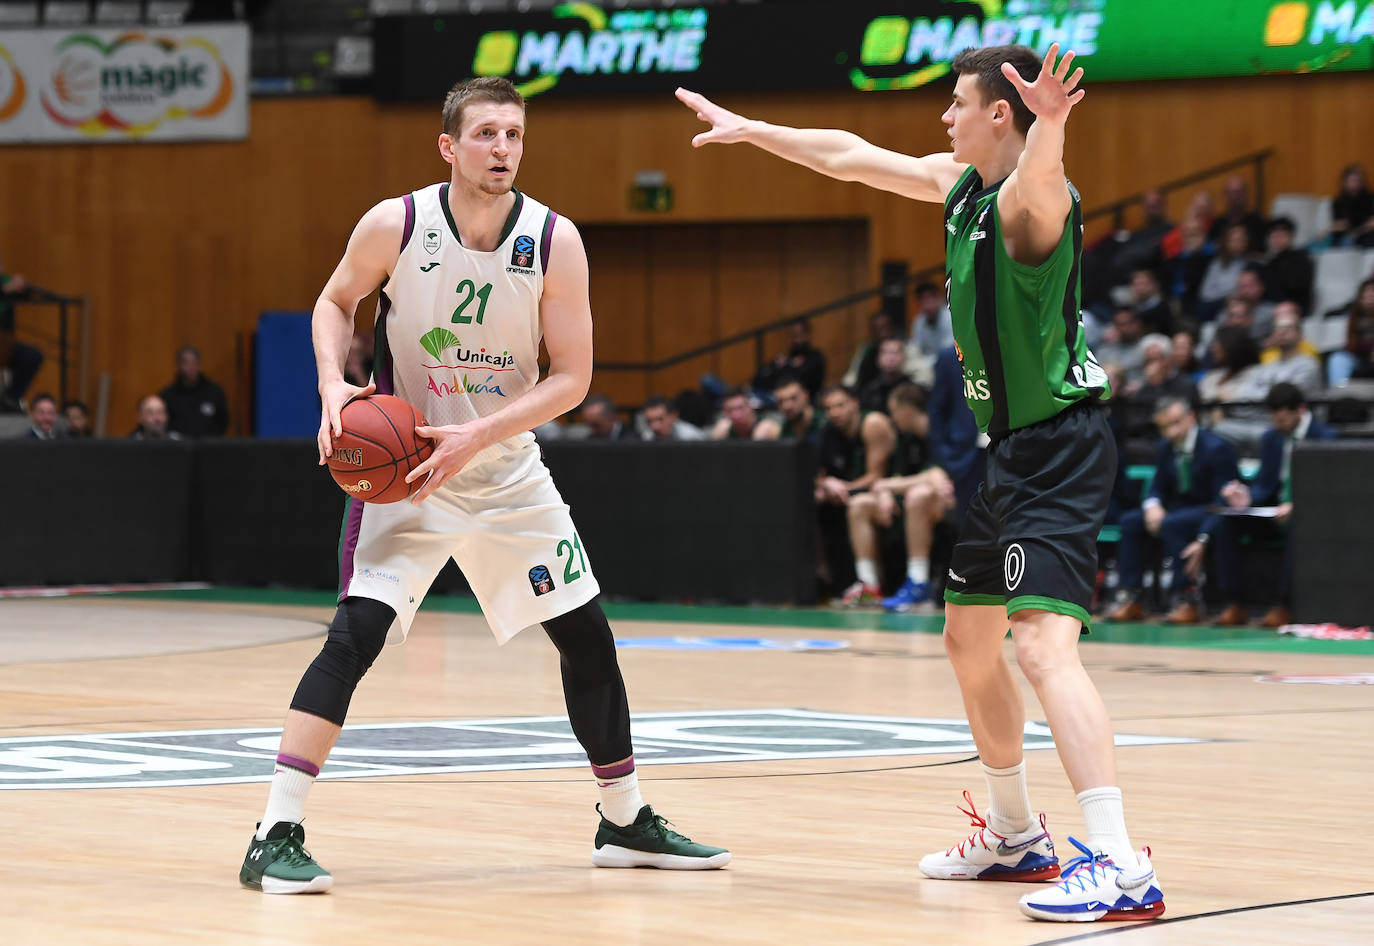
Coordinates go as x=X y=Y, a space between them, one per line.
x=1018 y=329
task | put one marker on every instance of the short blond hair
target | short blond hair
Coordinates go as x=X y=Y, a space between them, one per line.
x=494 y=89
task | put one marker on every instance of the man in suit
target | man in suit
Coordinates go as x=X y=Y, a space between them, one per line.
x=603 y=420
x=1272 y=487
x=1191 y=468
x=43 y=414
x=956 y=446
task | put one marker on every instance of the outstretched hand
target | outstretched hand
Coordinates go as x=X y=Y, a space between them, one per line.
x=726 y=126
x=1052 y=93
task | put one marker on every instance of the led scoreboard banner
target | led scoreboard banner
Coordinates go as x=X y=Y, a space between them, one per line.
x=868 y=45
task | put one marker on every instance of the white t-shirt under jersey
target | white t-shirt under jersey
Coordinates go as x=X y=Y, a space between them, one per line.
x=461 y=327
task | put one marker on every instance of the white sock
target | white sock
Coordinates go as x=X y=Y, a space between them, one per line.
x=1106 y=818
x=1009 y=810
x=620 y=800
x=918 y=570
x=286 y=800
x=867 y=570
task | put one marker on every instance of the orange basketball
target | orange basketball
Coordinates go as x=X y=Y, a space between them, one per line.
x=378 y=448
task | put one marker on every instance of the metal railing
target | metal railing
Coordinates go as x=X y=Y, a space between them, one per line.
x=1116 y=210
x=37 y=295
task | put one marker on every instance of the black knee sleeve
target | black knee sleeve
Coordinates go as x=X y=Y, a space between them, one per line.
x=356 y=636
x=592 y=686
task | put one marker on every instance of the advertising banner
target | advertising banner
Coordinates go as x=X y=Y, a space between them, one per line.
x=104 y=85
x=868 y=45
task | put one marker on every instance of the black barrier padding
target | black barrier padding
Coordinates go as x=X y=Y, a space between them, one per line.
x=269 y=514
x=1333 y=532
x=683 y=521
x=677 y=522
x=107 y=511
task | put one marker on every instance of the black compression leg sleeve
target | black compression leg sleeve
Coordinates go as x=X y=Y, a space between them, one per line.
x=592 y=686
x=356 y=636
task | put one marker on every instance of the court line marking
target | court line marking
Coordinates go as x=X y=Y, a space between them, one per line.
x=1151 y=924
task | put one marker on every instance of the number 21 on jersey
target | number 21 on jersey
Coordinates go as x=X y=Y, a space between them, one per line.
x=468 y=290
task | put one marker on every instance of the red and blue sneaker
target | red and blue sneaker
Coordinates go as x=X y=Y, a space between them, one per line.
x=1027 y=857
x=1094 y=888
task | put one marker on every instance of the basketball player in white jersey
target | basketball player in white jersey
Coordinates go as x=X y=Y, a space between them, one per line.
x=474 y=274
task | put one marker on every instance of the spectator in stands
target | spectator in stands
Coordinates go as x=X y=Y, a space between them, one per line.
x=1290 y=268
x=1191 y=467
x=863 y=368
x=1141 y=248
x=954 y=434
x=23 y=361
x=801 y=360
x=1183 y=355
x=1223 y=272
x=1357 y=360
x=1237 y=378
x=1272 y=488
x=1352 y=210
x=1147 y=298
x=915 y=495
x=1162 y=379
x=1121 y=345
x=196 y=406
x=1188 y=266
x=152 y=421
x=1251 y=287
x=891 y=358
x=855 y=452
x=739 y=421
x=603 y=420
x=78 y=419
x=1202 y=210
x=931 y=329
x=665 y=424
x=1239 y=213
x=43 y=418
x=800 y=420
x=1289 y=357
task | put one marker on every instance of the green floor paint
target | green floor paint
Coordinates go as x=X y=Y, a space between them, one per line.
x=1213 y=638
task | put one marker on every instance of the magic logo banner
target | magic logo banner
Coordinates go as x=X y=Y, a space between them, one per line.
x=867 y=45
x=94 y=85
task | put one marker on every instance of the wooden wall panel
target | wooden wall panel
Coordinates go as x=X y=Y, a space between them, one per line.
x=187 y=243
x=620 y=283
x=682 y=294
x=750 y=274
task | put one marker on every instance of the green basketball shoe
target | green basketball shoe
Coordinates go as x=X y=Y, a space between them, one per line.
x=279 y=863
x=649 y=842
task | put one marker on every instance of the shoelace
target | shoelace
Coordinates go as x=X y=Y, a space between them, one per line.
x=667 y=833
x=978 y=822
x=292 y=852
x=1089 y=863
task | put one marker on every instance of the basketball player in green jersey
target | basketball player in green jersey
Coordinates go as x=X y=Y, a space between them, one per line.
x=1027 y=550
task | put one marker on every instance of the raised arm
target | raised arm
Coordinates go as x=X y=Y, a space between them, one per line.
x=838 y=154
x=1035 y=201
x=565 y=314
x=367 y=261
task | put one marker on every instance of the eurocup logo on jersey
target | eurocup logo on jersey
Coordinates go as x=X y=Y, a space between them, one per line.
x=134 y=84
x=13 y=89
x=522 y=257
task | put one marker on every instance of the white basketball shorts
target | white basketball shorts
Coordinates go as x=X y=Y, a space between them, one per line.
x=505 y=525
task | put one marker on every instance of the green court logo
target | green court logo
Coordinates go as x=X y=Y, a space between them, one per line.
x=594 y=43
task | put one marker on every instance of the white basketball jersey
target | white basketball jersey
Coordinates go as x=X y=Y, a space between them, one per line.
x=461 y=327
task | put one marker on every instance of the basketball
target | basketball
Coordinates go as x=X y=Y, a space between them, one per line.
x=378 y=448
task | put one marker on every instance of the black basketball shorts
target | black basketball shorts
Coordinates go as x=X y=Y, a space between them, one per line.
x=1029 y=540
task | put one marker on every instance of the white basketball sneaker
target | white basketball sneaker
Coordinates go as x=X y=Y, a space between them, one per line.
x=986 y=855
x=1093 y=888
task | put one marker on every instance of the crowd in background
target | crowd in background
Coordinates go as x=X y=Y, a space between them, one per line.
x=1198 y=324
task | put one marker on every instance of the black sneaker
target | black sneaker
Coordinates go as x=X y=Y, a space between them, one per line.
x=649 y=842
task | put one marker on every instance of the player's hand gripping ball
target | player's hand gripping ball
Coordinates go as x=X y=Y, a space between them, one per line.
x=378 y=448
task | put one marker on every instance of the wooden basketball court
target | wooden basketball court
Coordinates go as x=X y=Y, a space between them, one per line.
x=1254 y=826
